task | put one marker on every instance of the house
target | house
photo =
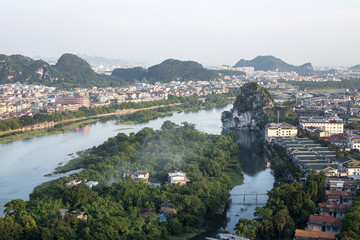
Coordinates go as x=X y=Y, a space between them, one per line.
x=141 y=176
x=137 y=176
x=312 y=234
x=91 y=184
x=167 y=207
x=354 y=142
x=128 y=174
x=73 y=183
x=80 y=215
x=177 y=177
x=350 y=186
x=339 y=196
x=352 y=169
x=333 y=209
x=325 y=223
x=330 y=170
x=336 y=185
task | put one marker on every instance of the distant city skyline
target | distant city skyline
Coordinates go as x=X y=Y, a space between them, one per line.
x=323 y=32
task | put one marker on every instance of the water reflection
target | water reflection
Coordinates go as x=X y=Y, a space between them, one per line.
x=257 y=180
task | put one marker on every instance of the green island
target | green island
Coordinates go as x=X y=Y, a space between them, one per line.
x=121 y=208
x=67 y=120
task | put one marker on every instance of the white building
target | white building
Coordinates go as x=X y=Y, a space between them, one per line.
x=283 y=129
x=333 y=126
x=354 y=142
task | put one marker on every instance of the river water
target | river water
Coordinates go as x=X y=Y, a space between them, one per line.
x=24 y=163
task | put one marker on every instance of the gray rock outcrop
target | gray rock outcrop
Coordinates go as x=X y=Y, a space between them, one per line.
x=251 y=108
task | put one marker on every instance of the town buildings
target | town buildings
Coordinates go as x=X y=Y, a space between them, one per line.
x=283 y=129
x=332 y=126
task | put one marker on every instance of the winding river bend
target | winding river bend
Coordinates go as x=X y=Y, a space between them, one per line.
x=24 y=163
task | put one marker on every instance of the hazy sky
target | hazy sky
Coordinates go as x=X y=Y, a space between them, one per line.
x=323 y=32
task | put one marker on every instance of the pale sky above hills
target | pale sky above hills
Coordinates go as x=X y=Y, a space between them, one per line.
x=323 y=32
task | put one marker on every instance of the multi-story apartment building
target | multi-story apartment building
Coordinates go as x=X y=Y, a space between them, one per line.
x=333 y=126
x=283 y=129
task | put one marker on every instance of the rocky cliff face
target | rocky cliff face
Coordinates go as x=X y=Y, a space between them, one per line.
x=250 y=109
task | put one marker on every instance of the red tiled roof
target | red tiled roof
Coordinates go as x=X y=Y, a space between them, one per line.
x=314 y=233
x=336 y=206
x=325 y=218
x=338 y=193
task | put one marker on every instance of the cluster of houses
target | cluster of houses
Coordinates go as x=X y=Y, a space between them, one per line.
x=326 y=224
x=75 y=182
x=311 y=156
x=174 y=177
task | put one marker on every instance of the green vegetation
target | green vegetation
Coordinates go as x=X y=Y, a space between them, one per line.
x=270 y=63
x=167 y=71
x=124 y=209
x=282 y=166
x=60 y=128
x=69 y=72
x=352 y=83
x=351 y=221
x=72 y=71
x=188 y=103
x=288 y=207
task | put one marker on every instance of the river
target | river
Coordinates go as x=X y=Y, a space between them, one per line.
x=25 y=162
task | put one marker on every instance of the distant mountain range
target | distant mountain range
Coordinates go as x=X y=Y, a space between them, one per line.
x=355 y=68
x=270 y=63
x=72 y=71
x=172 y=70
x=69 y=71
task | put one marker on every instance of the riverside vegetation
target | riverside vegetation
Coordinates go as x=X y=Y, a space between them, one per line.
x=124 y=209
x=79 y=117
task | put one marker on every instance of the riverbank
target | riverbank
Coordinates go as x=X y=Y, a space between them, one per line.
x=65 y=125
x=45 y=132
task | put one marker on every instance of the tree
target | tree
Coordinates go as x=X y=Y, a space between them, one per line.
x=246 y=228
x=77 y=195
x=27 y=120
x=280 y=219
x=262 y=213
x=15 y=207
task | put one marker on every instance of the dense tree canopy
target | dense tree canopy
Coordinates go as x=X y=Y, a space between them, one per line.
x=124 y=209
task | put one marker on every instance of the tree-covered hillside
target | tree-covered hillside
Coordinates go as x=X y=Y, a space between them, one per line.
x=355 y=68
x=270 y=63
x=171 y=70
x=70 y=71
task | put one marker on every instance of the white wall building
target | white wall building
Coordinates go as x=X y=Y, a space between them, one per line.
x=283 y=129
x=333 y=126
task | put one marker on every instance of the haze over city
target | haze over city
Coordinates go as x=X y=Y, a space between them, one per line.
x=322 y=32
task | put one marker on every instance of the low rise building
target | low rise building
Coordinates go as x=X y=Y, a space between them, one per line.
x=325 y=223
x=334 y=209
x=332 y=126
x=354 y=142
x=313 y=233
x=273 y=130
x=177 y=177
